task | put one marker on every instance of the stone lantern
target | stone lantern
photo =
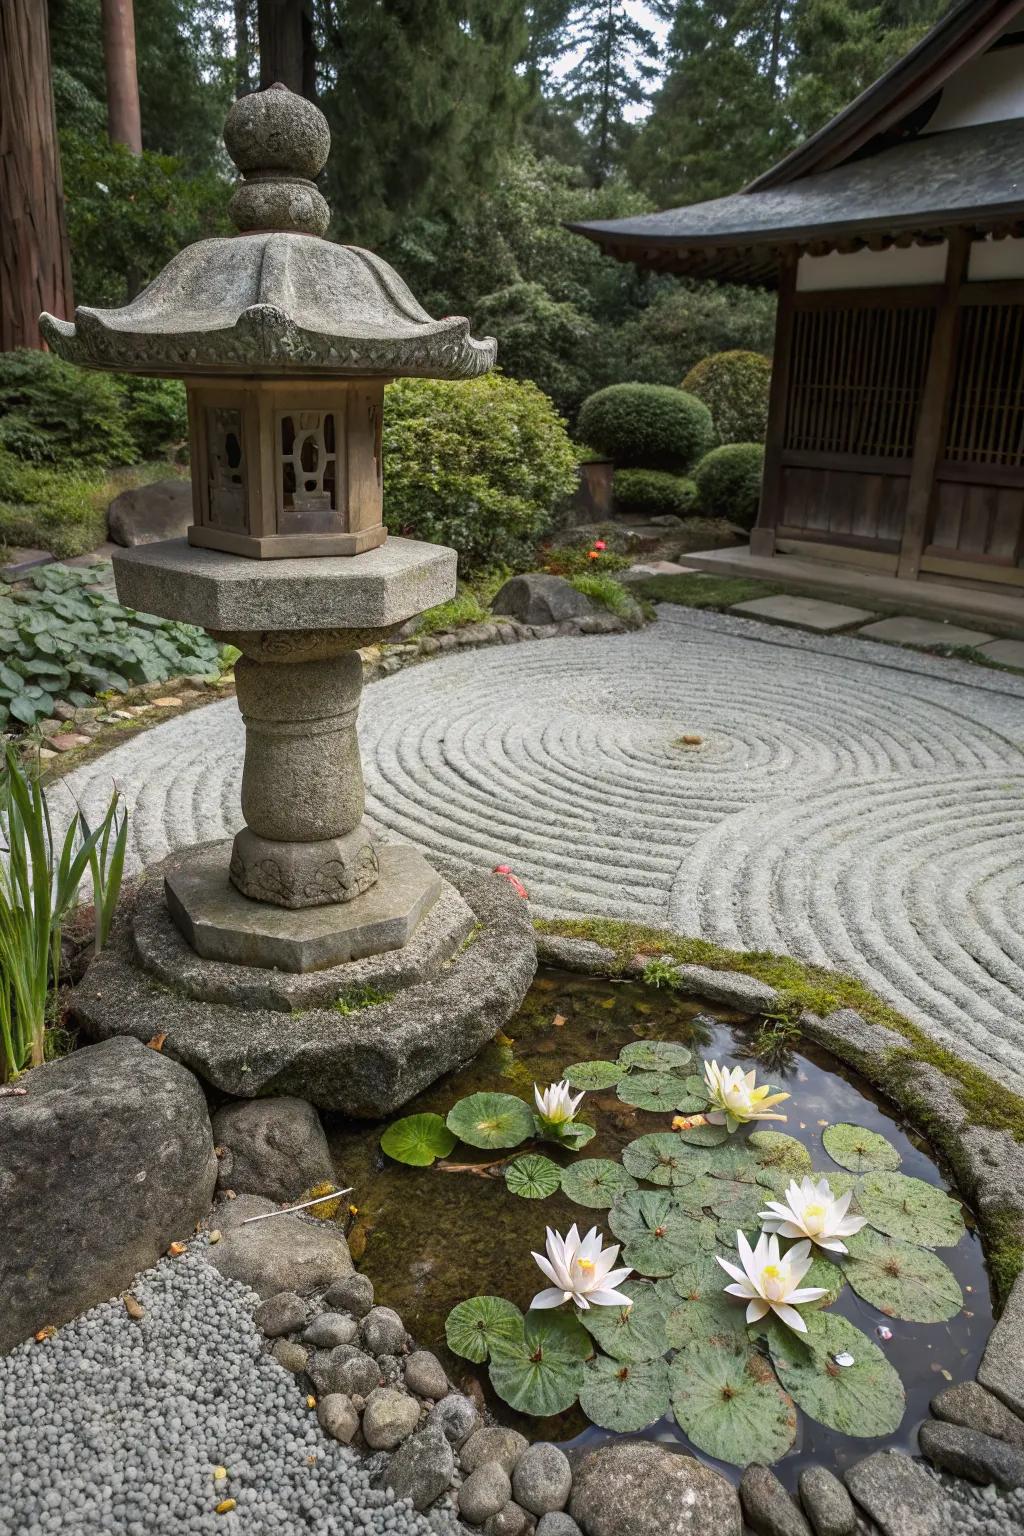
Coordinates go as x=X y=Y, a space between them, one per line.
x=285 y=341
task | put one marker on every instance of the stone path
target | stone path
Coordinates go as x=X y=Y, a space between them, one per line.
x=852 y=804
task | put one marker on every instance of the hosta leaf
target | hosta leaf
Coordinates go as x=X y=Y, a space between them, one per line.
x=22 y=708
x=491 y=1120
x=594 y=1074
x=910 y=1209
x=418 y=1140
x=865 y=1399
x=624 y=1396
x=630 y=1333
x=534 y=1177
x=475 y=1326
x=540 y=1370
x=900 y=1279
x=727 y=1400
x=596 y=1182
x=697 y=1303
x=654 y=1090
x=655 y=1055
x=859 y=1150
x=661 y=1158
x=773 y=1149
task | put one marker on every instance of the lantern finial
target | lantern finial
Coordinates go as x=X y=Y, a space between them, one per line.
x=279 y=142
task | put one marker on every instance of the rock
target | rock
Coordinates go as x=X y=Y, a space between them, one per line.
x=637 y=1488
x=538 y=598
x=510 y=1521
x=352 y=1293
x=971 y=1454
x=496 y=1443
x=383 y=1331
x=542 y=1479
x=1002 y=1365
x=829 y=1507
x=422 y=1468
x=150 y=513
x=289 y=1253
x=330 y=1329
x=292 y=1356
x=733 y=988
x=283 y=1313
x=425 y=1375
x=767 y=1506
x=970 y=1405
x=558 y=1523
x=344 y=1369
x=275 y=1147
x=899 y=1495
x=106 y=1160
x=455 y=1416
x=390 y=1367
x=338 y=1417
x=484 y=1493
x=389 y=1418
x=575 y=954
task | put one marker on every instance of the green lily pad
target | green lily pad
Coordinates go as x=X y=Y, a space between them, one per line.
x=661 y=1158
x=703 y=1135
x=734 y=1202
x=418 y=1140
x=491 y=1120
x=864 y=1399
x=475 y=1326
x=540 y=1370
x=823 y=1273
x=910 y=1209
x=630 y=1333
x=901 y=1279
x=657 y=1233
x=596 y=1182
x=655 y=1055
x=775 y=1150
x=859 y=1150
x=698 y=1306
x=533 y=1177
x=573 y=1135
x=594 y=1074
x=625 y=1396
x=727 y=1400
x=652 y=1090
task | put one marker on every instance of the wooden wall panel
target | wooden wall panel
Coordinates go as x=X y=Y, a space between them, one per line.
x=983 y=523
x=844 y=505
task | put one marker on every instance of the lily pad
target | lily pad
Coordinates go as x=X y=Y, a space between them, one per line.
x=655 y=1055
x=491 y=1120
x=596 y=1182
x=859 y=1150
x=727 y=1400
x=703 y=1135
x=910 y=1209
x=630 y=1333
x=698 y=1306
x=595 y=1074
x=657 y=1233
x=475 y=1326
x=654 y=1090
x=775 y=1150
x=540 y=1370
x=418 y=1140
x=533 y=1177
x=624 y=1396
x=823 y=1273
x=864 y=1398
x=901 y=1279
x=661 y=1158
x=732 y=1201
x=573 y=1135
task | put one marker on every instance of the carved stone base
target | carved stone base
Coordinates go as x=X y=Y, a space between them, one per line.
x=297 y=875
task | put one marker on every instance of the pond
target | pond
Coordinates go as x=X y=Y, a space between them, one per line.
x=431 y=1237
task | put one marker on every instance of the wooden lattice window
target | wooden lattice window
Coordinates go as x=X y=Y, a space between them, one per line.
x=856 y=377
x=986 y=414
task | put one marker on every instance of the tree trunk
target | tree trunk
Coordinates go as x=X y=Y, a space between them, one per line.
x=35 y=267
x=242 y=49
x=124 y=120
x=287 y=46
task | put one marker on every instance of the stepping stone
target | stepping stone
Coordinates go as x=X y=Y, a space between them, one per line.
x=805 y=612
x=21 y=560
x=905 y=630
x=1009 y=652
x=660 y=568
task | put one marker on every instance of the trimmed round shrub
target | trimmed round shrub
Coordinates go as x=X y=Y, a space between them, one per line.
x=728 y=482
x=651 y=425
x=653 y=492
x=479 y=463
x=734 y=386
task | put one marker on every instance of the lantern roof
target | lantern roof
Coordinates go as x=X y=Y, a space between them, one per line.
x=276 y=298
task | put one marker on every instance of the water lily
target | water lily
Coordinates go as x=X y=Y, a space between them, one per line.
x=580 y=1270
x=735 y=1099
x=811 y=1210
x=770 y=1283
x=557 y=1105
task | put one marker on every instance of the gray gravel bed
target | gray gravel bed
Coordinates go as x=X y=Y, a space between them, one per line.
x=982 y=1511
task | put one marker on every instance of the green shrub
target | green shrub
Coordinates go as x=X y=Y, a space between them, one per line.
x=734 y=386
x=480 y=464
x=646 y=424
x=729 y=482
x=653 y=492
x=45 y=507
x=582 y=559
x=608 y=593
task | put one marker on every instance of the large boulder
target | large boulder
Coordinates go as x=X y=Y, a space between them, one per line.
x=106 y=1160
x=637 y=1488
x=538 y=598
x=272 y=1147
x=150 y=513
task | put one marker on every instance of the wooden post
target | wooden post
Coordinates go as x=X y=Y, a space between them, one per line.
x=762 y=537
x=124 y=118
x=930 y=436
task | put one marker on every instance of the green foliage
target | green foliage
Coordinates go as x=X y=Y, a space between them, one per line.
x=909 y=1208
x=540 y=1370
x=634 y=1332
x=596 y=1182
x=684 y=321
x=418 y=1140
x=625 y=1396
x=726 y=1398
x=533 y=1177
x=358 y=998
x=646 y=424
x=901 y=1279
x=595 y=1074
x=78 y=415
x=547 y=340
x=653 y=492
x=608 y=593
x=656 y=1055
x=864 y=1398
x=583 y=560
x=614 y=61
x=476 y=1326
x=860 y=1150
x=729 y=482
x=491 y=1120
x=60 y=510
x=734 y=386
x=481 y=464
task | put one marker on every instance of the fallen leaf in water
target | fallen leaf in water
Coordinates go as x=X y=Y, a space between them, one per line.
x=607 y=1002
x=132 y=1306
x=157 y=1042
x=357 y=1241
x=559 y=1020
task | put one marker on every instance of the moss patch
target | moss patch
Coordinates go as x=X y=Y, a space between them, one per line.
x=358 y=998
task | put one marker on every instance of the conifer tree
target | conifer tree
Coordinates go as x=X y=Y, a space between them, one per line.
x=616 y=64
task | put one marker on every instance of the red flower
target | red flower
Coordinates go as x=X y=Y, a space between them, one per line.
x=593 y=554
x=600 y=544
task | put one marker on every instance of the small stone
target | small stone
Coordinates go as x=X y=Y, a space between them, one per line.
x=557 y=1523
x=390 y=1367
x=425 y=1375
x=484 y=1493
x=383 y=1331
x=768 y=1508
x=389 y=1418
x=68 y=741
x=337 y=1417
x=422 y=1468
x=292 y=1356
x=968 y=1453
x=510 y=1521
x=352 y=1293
x=575 y=954
x=970 y=1405
x=168 y=703
x=278 y=1148
x=496 y=1443
x=330 y=1329
x=829 y=1507
x=280 y=1314
x=1002 y=1365
x=901 y=1498
x=344 y=1369
x=733 y=988
x=625 y=1489
x=542 y=1479
x=456 y=1418
x=540 y=599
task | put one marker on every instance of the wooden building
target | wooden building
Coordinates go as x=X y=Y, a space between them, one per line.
x=895 y=239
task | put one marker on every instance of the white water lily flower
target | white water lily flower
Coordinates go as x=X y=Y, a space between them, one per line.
x=735 y=1099
x=772 y=1284
x=812 y=1210
x=580 y=1270
x=556 y=1105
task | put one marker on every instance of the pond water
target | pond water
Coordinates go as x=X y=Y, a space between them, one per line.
x=431 y=1237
